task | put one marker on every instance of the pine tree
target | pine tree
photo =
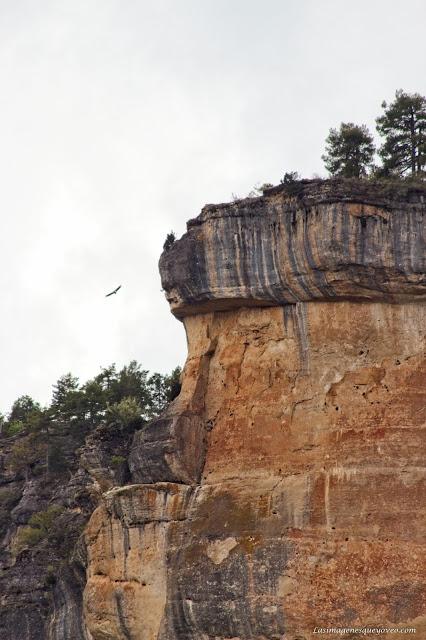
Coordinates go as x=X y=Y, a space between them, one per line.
x=67 y=399
x=23 y=408
x=403 y=125
x=349 y=151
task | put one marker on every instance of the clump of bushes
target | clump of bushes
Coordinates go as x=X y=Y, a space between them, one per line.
x=13 y=428
x=41 y=526
x=290 y=177
x=124 y=413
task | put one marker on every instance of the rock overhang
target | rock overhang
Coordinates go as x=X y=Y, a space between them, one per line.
x=253 y=508
x=315 y=240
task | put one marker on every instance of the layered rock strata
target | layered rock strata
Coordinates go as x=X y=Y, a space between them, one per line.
x=284 y=488
x=331 y=240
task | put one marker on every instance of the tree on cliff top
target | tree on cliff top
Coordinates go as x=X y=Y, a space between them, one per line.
x=349 y=151
x=403 y=126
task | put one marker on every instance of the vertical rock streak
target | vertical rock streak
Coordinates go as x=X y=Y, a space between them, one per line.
x=284 y=488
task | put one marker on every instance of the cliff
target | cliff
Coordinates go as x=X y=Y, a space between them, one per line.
x=43 y=512
x=329 y=240
x=283 y=489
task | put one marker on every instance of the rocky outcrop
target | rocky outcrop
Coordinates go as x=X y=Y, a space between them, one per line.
x=42 y=578
x=328 y=240
x=283 y=489
x=41 y=586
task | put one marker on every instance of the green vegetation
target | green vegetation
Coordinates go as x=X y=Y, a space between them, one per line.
x=124 y=413
x=44 y=520
x=24 y=412
x=120 y=400
x=28 y=537
x=290 y=177
x=26 y=452
x=24 y=409
x=42 y=525
x=349 y=151
x=403 y=126
x=11 y=428
x=257 y=191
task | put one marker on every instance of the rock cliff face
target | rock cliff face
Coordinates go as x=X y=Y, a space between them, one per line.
x=330 y=240
x=284 y=488
x=41 y=593
x=41 y=584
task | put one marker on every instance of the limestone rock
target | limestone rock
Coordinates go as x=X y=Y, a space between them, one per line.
x=295 y=452
x=169 y=449
x=327 y=240
x=128 y=559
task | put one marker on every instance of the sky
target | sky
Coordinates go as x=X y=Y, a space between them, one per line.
x=120 y=119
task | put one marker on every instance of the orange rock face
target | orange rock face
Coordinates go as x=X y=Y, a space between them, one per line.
x=319 y=441
x=308 y=510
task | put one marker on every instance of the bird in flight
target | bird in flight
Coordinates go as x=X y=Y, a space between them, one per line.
x=112 y=292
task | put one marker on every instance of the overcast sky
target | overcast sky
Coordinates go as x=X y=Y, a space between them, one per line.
x=120 y=119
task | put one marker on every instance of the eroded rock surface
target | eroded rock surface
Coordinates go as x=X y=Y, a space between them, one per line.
x=42 y=581
x=327 y=240
x=304 y=504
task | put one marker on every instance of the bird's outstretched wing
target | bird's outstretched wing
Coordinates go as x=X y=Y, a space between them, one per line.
x=111 y=293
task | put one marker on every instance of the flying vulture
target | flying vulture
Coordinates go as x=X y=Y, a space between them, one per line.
x=112 y=292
